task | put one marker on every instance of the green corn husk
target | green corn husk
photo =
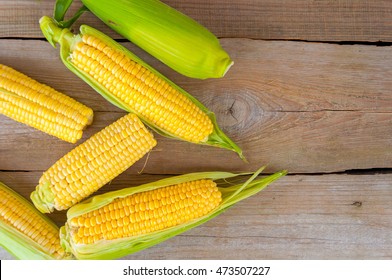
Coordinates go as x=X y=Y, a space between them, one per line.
x=113 y=249
x=18 y=244
x=63 y=36
x=167 y=34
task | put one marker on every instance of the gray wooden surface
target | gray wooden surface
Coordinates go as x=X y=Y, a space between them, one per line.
x=323 y=111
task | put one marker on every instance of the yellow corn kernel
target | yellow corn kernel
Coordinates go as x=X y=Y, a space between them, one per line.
x=146 y=213
x=92 y=164
x=40 y=106
x=145 y=93
x=19 y=215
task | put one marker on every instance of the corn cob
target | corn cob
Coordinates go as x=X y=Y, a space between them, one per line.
x=92 y=164
x=40 y=106
x=25 y=232
x=134 y=215
x=167 y=34
x=129 y=83
x=122 y=222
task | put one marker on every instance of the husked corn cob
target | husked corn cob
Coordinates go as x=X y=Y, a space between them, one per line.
x=122 y=222
x=40 y=106
x=146 y=212
x=25 y=232
x=129 y=83
x=143 y=91
x=92 y=164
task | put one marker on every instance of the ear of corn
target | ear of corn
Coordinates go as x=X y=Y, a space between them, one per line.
x=132 y=85
x=167 y=34
x=92 y=164
x=24 y=232
x=40 y=106
x=123 y=222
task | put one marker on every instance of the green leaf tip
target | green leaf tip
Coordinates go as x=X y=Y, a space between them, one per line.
x=60 y=9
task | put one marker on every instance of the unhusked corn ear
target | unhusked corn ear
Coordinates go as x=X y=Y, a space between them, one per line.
x=40 y=106
x=169 y=35
x=144 y=92
x=25 y=232
x=146 y=212
x=134 y=86
x=92 y=164
x=172 y=37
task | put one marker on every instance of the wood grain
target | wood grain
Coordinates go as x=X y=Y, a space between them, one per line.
x=311 y=108
x=335 y=216
x=327 y=20
x=304 y=107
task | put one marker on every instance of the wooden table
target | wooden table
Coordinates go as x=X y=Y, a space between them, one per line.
x=310 y=92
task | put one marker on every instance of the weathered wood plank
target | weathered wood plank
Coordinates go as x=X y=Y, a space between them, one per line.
x=305 y=107
x=334 y=216
x=299 y=142
x=348 y=20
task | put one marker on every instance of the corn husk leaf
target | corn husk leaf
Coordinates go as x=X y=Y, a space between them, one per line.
x=112 y=249
x=18 y=244
x=60 y=9
x=67 y=40
x=167 y=34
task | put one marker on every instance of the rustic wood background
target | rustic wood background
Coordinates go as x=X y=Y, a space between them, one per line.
x=310 y=92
